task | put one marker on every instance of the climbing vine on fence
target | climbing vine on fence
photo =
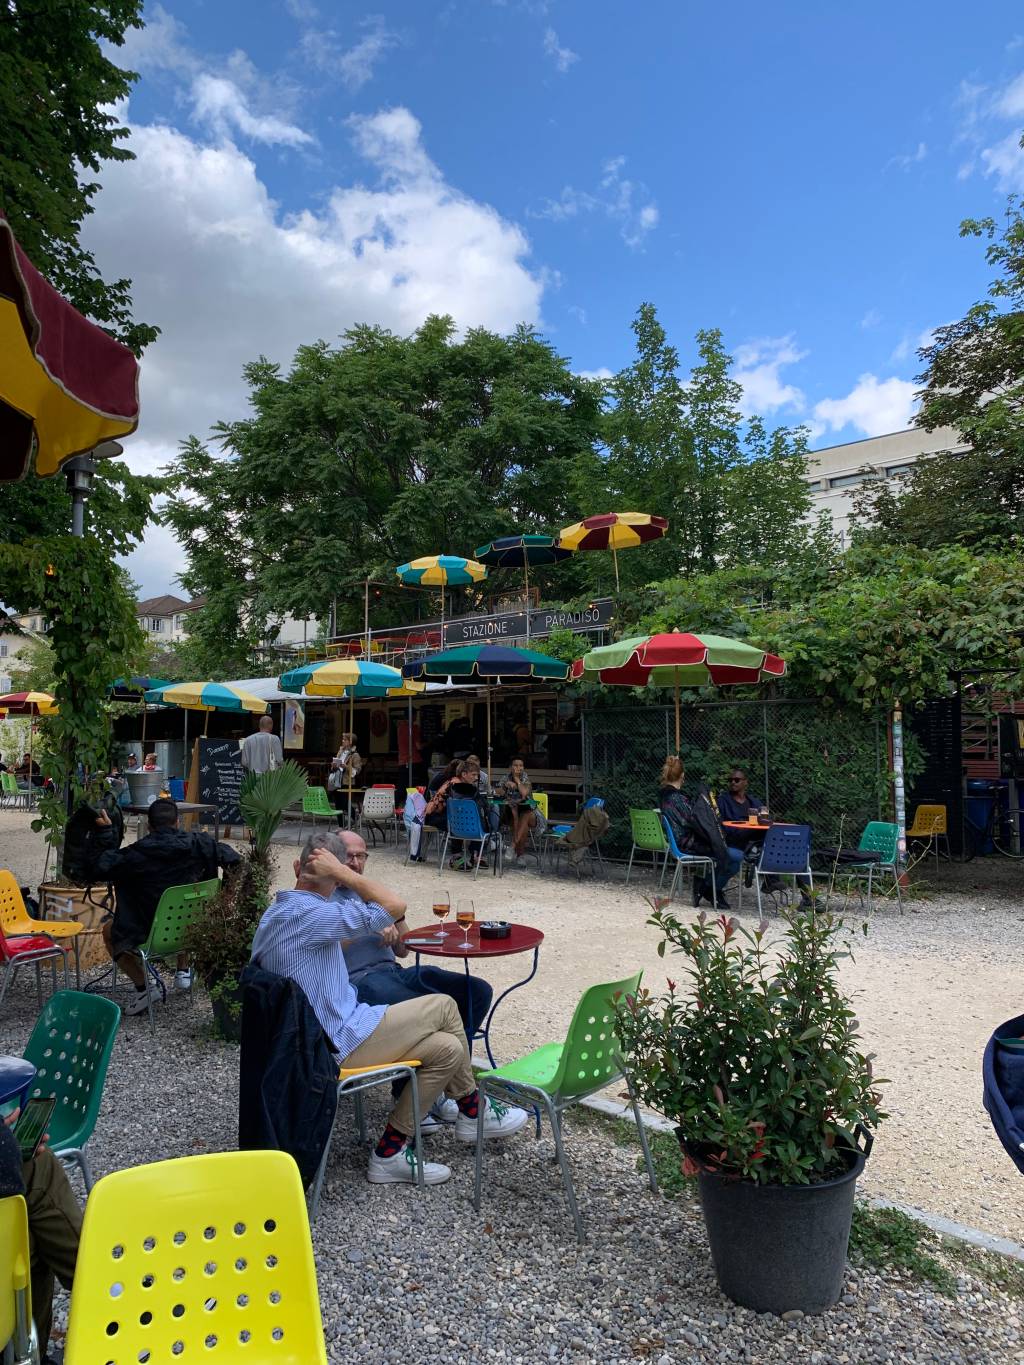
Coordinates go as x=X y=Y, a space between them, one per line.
x=94 y=636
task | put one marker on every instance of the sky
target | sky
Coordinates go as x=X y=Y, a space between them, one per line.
x=793 y=174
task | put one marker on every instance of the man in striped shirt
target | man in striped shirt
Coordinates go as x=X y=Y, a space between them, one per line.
x=300 y=936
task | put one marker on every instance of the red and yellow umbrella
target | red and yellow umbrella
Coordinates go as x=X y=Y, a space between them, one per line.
x=613 y=531
x=28 y=704
x=676 y=660
x=65 y=385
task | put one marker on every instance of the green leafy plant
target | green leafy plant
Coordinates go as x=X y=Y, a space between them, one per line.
x=759 y=1062
x=221 y=942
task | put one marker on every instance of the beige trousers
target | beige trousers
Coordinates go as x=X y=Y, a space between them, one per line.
x=430 y=1031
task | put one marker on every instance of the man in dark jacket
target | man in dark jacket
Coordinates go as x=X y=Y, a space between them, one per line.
x=141 y=873
x=54 y=1222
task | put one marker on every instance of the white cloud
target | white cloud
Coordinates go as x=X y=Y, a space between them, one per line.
x=1005 y=161
x=228 y=276
x=626 y=202
x=758 y=366
x=873 y=406
x=563 y=57
x=324 y=50
x=1010 y=102
x=908 y=159
x=602 y=372
x=870 y=319
x=220 y=105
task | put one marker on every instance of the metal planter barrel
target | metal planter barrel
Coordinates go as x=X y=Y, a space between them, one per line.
x=776 y=1248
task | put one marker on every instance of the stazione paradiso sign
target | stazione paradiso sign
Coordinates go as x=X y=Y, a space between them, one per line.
x=511 y=625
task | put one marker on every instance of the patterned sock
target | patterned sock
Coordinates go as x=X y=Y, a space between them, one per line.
x=391 y=1142
x=469 y=1104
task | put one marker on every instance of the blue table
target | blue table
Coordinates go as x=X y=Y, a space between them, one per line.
x=16 y=1075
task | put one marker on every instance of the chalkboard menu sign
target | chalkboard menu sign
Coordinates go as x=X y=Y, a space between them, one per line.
x=220 y=776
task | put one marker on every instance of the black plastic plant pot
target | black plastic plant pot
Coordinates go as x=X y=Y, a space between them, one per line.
x=776 y=1248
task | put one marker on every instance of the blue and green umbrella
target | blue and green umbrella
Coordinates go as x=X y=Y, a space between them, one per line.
x=522 y=552
x=134 y=689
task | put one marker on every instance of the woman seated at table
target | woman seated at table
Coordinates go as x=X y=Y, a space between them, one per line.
x=696 y=830
x=344 y=773
x=736 y=804
x=515 y=789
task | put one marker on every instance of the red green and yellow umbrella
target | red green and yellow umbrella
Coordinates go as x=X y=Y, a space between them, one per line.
x=678 y=659
x=613 y=531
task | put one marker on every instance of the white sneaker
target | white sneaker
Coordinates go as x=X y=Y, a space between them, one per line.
x=444 y=1110
x=501 y=1120
x=140 y=1004
x=400 y=1169
x=183 y=980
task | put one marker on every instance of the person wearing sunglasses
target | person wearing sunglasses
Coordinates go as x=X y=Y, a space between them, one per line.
x=736 y=803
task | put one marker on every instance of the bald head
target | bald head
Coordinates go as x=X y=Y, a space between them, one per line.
x=355 y=849
x=266 y=723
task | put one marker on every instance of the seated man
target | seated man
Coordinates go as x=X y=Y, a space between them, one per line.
x=737 y=804
x=54 y=1223
x=300 y=937
x=371 y=960
x=140 y=873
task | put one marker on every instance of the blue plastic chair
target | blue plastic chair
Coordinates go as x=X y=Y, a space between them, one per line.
x=786 y=853
x=689 y=860
x=464 y=823
x=556 y=837
x=176 y=786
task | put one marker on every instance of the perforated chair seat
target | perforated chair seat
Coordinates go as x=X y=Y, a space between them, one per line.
x=556 y=1076
x=202 y=1258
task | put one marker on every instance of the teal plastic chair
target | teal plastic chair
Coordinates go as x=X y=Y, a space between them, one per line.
x=649 y=837
x=558 y=1075
x=70 y=1048
x=180 y=907
x=316 y=806
x=879 y=837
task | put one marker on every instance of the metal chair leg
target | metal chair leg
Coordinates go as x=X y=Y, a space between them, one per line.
x=563 y=1162
x=652 y=1178
x=478 y=1169
x=357 y=1103
x=629 y=866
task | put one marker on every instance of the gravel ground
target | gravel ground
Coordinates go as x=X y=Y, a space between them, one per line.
x=930 y=985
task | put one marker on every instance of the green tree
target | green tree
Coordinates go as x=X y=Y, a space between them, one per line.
x=117 y=514
x=974 y=383
x=369 y=454
x=58 y=90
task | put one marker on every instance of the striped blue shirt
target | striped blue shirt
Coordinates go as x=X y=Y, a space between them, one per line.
x=299 y=936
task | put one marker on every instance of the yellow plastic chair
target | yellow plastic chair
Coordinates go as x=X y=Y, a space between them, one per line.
x=930 y=825
x=205 y=1257
x=15 y=919
x=353 y=1080
x=16 y=1326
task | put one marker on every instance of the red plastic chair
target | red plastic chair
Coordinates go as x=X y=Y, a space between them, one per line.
x=32 y=949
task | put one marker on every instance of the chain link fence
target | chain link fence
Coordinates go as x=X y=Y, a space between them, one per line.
x=813 y=764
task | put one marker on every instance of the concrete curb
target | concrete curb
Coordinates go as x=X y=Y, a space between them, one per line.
x=945 y=1227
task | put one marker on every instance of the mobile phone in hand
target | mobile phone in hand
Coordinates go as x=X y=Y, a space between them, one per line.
x=30 y=1128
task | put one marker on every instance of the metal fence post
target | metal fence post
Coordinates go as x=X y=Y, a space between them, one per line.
x=764 y=744
x=585 y=742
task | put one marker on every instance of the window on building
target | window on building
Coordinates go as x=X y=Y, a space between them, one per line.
x=3 y=649
x=156 y=624
x=898 y=471
x=179 y=623
x=846 y=481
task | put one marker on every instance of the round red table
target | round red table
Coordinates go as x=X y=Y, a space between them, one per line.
x=451 y=944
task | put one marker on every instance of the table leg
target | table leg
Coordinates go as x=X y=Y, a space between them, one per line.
x=485 y=1031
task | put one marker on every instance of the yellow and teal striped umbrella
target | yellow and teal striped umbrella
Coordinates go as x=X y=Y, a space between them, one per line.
x=206 y=696
x=441 y=571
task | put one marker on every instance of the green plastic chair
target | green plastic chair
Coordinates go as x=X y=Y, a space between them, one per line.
x=558 y=1075
x=180 y=907
x=70 y=1048
x=649 y=837
x=316 y=806
x=878 y=837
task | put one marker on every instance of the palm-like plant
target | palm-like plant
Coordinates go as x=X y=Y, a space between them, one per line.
x=264 y=797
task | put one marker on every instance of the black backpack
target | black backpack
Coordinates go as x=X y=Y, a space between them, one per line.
x=80 y=838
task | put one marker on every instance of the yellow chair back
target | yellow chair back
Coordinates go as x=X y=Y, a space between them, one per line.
x=541 y=799
x=14 y=1265
x=204 y=1256
x=928 y=820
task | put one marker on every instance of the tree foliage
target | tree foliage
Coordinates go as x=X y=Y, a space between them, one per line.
x=58 y=91
x=117 y=513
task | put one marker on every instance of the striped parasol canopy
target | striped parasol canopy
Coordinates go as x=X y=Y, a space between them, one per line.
x=613 y=531
x=678 y=659
x=132 y=689
x=206 y=696
x=353 y=678
x=441 y=571
x=28 y=704
x=522 y=552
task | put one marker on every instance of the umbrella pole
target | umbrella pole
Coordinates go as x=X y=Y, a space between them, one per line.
x=408 y=750
x=352 y=732
x=206 y=723
x=526 y=567
x=615 y=561
x=488 y=733
x=144 y=726
x=186 y=762
x=677 y=715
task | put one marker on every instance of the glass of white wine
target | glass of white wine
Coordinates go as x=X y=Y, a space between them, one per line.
x=442 y=908
x=465 y=918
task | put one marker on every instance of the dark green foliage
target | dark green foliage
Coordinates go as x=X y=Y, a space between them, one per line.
x=756 y=1057
x=57 y=90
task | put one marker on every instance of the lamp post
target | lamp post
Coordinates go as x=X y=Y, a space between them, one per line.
x=80 y=473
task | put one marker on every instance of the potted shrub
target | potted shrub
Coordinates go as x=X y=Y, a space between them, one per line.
x=221 y=942
x=759 y=1064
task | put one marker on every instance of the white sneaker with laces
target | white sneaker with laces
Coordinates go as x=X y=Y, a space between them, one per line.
x=140 y=1004
x=400 y=1169
x=183 y=980
x=501 y=1120
x=444 y=1110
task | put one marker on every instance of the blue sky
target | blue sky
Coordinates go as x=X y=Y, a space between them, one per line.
x=793 y=174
